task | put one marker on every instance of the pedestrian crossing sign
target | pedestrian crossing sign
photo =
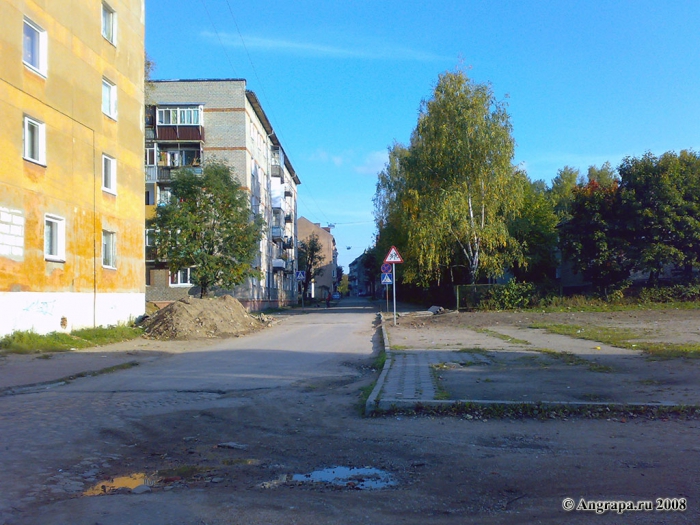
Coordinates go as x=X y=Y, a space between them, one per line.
x=301 y=276
x=393 y=257
x=387 y=278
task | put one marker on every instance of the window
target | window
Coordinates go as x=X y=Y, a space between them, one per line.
x=164 y=197
x=109 y=249
x=167 y=116
x=189 y=116
x=181 y=278
x=109 y=174
x=150 y=156
x=54 y=238
x=109 y=23
x=179 y=116
x=34 y=47
x=109 y=99
x=34 y=140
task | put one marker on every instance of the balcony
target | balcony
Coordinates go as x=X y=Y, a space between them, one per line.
x=288 y=219
x=288 y=243
x=279 y=264
x=277 y=233
x=165 y=173
x=287 y=191
x=277 y=171
x=289 y=267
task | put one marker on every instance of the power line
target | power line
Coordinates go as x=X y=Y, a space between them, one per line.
x=267 y=100
x=211 y=21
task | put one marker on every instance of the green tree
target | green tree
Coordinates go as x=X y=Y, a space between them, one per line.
x=593 y=238
x=344 y=285
x=208 y=226
x=536 y=230
x=605 y=175
x=561 y=192
x=462 y=188
x=660 y=196
x=310 y=259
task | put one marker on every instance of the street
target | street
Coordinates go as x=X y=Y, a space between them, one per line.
x=235 y=431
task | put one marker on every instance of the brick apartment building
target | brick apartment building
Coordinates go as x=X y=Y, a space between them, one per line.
x=189 y=122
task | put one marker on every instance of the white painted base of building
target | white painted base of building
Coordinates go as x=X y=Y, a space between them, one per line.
x=45 y=312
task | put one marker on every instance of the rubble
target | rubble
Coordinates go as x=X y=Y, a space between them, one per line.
x=192 y=318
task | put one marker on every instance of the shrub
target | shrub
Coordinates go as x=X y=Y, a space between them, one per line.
x=510 y=296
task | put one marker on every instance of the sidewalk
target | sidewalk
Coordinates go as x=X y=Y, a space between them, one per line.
x=22 y=372
x=513 y=366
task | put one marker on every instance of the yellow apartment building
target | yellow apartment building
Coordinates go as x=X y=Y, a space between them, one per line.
x=71 y=163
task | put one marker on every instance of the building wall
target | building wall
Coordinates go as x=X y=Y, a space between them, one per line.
x=77 y=291
x=326 y=281
x=239 y=134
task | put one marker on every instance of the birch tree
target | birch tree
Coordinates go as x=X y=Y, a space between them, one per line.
x=462 y=186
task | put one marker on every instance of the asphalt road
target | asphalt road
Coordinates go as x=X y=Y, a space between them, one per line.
x=43 y=431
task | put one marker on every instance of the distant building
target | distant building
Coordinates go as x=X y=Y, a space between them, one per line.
x=190 y=122
x=327 y=281
x=357 y=280
x=71 y=189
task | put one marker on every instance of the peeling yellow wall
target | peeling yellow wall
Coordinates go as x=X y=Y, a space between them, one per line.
x=68 y=100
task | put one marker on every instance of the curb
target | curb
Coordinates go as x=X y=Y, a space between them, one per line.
x=46 y=385
x=373 y=403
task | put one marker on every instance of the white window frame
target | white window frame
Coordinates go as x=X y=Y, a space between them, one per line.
x=109 y=23
x=178 y=278
x=172 y=116
x=40 y=65
x=109 y=249
x=109 y=98
x=109 y=174
x=37 y=130
x=58 y=241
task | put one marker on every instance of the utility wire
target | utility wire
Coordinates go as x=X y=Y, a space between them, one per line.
x=211 y=21
x=267 y=100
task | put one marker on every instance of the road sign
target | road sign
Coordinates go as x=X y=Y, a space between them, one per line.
x=301 y=276
x=393 y=256
x=386 y=268
x=387 y=278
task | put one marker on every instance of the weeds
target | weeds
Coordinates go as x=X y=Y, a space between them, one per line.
x=28 y=342
x=574 y=360
x=506 y=338
x=610 y=412
x=622 y=338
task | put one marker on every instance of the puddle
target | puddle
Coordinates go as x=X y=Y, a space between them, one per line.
x=355 y=478
x=123 y=482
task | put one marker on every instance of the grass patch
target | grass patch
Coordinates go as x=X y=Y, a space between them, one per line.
x=506 y=338
x=574 y=360
x=622 y=338
x=611 y=412
x=440 y=392
x=28 y=342
x=399 y=347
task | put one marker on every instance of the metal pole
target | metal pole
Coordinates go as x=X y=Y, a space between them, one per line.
x=393 y=272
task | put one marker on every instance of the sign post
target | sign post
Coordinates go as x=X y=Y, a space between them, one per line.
x=393 y=258
x=386 y=270
x=301 y=277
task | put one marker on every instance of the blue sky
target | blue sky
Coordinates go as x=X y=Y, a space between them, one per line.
x=586 y=81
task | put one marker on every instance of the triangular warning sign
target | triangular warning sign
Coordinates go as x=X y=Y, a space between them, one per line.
x=393 y=257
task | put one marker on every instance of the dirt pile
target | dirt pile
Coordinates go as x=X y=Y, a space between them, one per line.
x=193 y=318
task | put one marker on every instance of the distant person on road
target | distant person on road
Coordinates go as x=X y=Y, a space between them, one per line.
x=328 y=300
